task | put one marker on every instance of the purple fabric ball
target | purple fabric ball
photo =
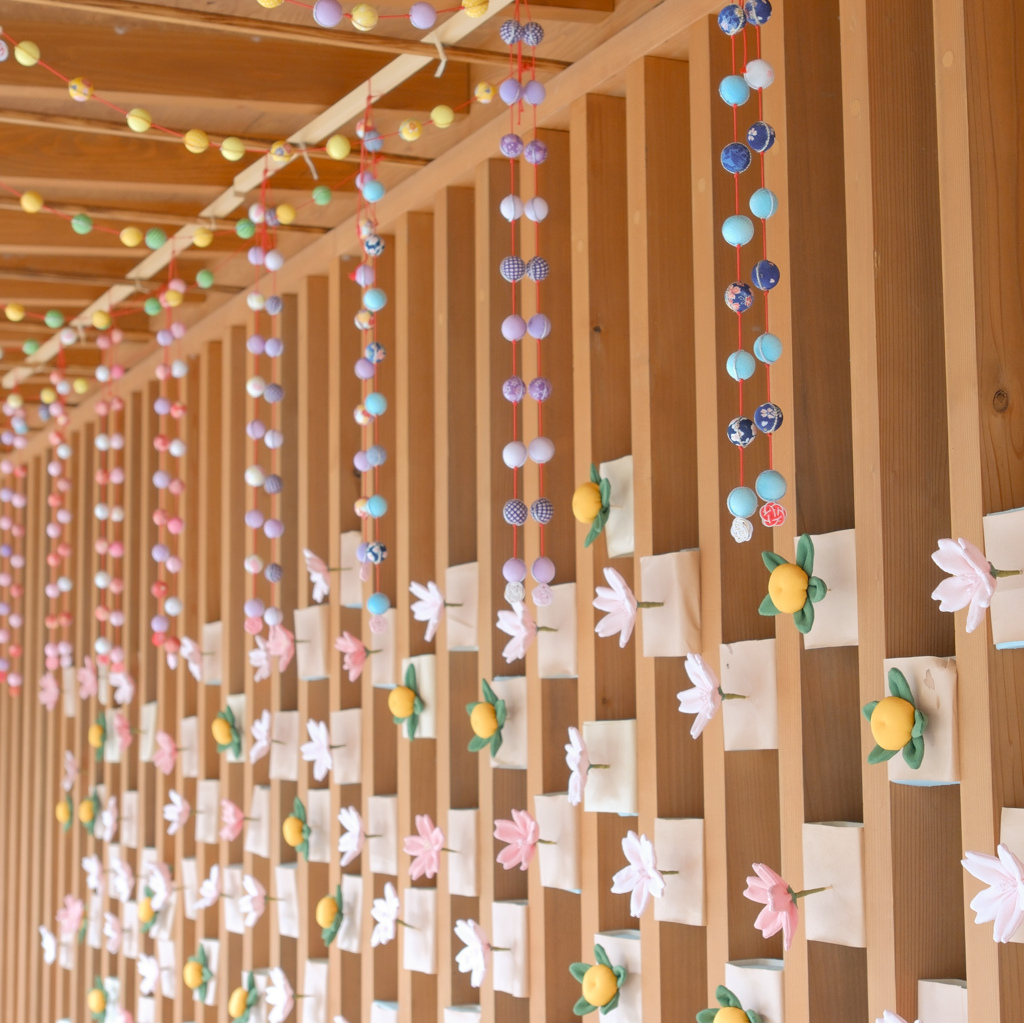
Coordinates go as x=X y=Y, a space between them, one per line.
x=542 y=510
x=511 y=32
x=514 y=570
x=509 y=92
x=160 y=553
x=361 y=462
x=273 y=528
x=532 y=34
x=512 y=269
x=364 y=369
x=543 y=570
x=514 y=512
x=274 y=346
x=273 y=393
x=422 y=16
x=164 y=338
x=513 y=327
x=254 y=519
x=255 y=429
x=513 y=389
x=273 y=484
x=254 y=608
x=539 y=326
x=158 y=623
x=274 y=573
x=162 y=406
x=273 y=306
x=537 y=269
x=511 y=145
x=540 y=388
x=534 y=93
x=255 y=344
x=161 y=479
x=328 y=13
x=535 y=151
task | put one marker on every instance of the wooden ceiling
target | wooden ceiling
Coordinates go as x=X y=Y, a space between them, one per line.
x=230 y=67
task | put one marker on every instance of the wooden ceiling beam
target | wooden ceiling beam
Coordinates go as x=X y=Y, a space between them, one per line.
x=100 y=282
x=292 y=33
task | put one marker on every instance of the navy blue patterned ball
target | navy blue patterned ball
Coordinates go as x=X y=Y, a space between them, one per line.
x=731 y=19
x=512 y=269
x=757 y=11
x=273 y=484
x=273 y=573
x=373 y=245
x=511 y=32
x=533 y=34
x=376 y=553
x=761 y=136
x=736 y=157
x=375 y=351
x=514 y=512
x=765 y=275
x=542 y=510
x=768 y=417
x=273 y=393
x=739 y=297
x=740 y=431
x=537 y=269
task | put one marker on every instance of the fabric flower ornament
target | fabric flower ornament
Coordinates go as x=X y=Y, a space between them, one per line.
x=93 y=869
x=385 y=911
x=112 y=932
x=405 y=703
x=97 y=735
x=425 y=847
x=355 y=654
x=209 y=889
x=731 y=1009
x=896 y=724
x=193 y=657
x=88 y=684
x=318 y=570
x=64 y=812
x=253 y=900
x=972 y=579
x=780 y=911
x=793 y=589
x=259 y=660
x=49 y=944
x=487 y=719
x=281 y=644
x=318 y=750
x=429 y=606
x=476 y=956
x=243 y=1000
x=519 y=624
x=196 y=974
x=891 y=1017
x=70 y=918
x=620 y=607
x=225 y=732
x=176 y=812
x=296 y=830
x=280 y=996
x=124 y=687
x=96 y=1000
x=578 y=761
x=641 y=877
x=158 y=885
x=49 y=691
x=329 y=916
x=705 y=697
x=88 y=812
x=260 y=732
x=601 y=983
x=166 y=753
x=591 y=503
x=353 y=837
x=122 y=880
x=70 y=771
x=123 y=730
x=522 y=834
x=232 y=820
x=149 y=973
x=1002 y=902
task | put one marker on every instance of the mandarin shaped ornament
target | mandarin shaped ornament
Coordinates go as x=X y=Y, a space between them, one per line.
x=591 y=503
x=896 y=724
x=486 y=718
x=793 y=588
x=730 y=1010
x=406 y=704
x=601 y=984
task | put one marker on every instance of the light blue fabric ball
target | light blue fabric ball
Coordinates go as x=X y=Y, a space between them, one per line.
x=771 y=485
x=763 y=203
x=376 y=404
x=738 y=229
x=375 y=299
x=768 y=348
x=740 y=365
x=377 y=506
x=734 y=90
x=377 y=604
x=742 y=502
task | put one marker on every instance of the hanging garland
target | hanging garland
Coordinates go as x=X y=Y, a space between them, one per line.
x=12 y=565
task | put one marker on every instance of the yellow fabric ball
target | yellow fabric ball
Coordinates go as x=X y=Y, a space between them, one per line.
x=364 y=17
x=291 y=829
x=232 y=148
x=31 y=202
x=326 y=911
x=26 y=53
x=47 y=395
x=15 y=400
x=484 y=720
x=86 y=811
x=80 y=385
x=196 y=141
x=97 y=1000
x=79 y=89
x=442 y=116
x=730 y=1014
x=892 y=721
x=14 y=311
x=270 y=4
x=474 y=10
x=139 y=120
x=586 y=502
x=101 y=319
x=410 y=129
x=239 y=1000
x=401 y=701
x=286 y=213
x=599 y=985
x=787 y=586
x=145 y=910
x=173 y=299
x=338 y=147
x=96 y=736
x=131 y=237
x=62 y=812
x=192 y=974
x=221 y=732
x=202 y=238
x=281 y=151
x=484 y=92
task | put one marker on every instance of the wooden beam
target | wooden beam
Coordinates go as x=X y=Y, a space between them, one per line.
x=100 y=282
x=250 y=27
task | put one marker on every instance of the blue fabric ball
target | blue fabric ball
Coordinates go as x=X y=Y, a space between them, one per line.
x=734 y=90
x=768 y=348
x=742 y=502
x=731 y=19
x=770 y=485
x=377 y=506
x=757 y=11
x=738 y=229
x=739 y=297
x=514 y=512
x=373 y=245
x=375 y=352
x=512 y=269
x=760 y=136
x=763 y=203
x=768 y=417
x=376 y=455
x=511 y=32
x=765 y=274
x=532 y=34
x=542 y=510
x=377 y=603
x=740 y=431
x=736 y=157
x=375 y=299
x=376 y=404
x=375 y=553
x=537 y=269
x=740 y=365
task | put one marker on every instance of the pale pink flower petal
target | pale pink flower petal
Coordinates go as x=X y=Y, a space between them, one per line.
x=704 y=698
x=971 y=580
x=281 y=644
x=353 y=837
x=70 y=771
x=641 y=877
x=425 y=848
x=86 y=678
x=166 y=754
x=232 y=821
x=1003 y=901
x=518 y=624
x=259 y=660
x=620 y=606
x=49 y=691
x=429 y=607
x=318 y=575
x=579 y=764
x=123 y=730
x=780 y=911
x=521 y=833
x=355 y=654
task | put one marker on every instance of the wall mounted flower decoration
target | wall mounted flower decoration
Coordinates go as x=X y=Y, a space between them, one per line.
x=429 y=606
x=48 y=942
x=487 y=719
x=619 y=605
x=98 y=735
x=253 y=900
x=1002 y=902
x=385 y=911
x=353 y=837
x=476 y=956
x=972 y=579
x=96 y=1000
x=49 y=691
x=521 y=834
x=780 y=911
x=425 y=847
x=705 y=697
x=601 y=984
x=63 y=812
x=405 y=703
x=243 y=1000
x=166 y=754
x=891 y=1017
x=641 y=876
x=578 y=761
x=197 y=974
x=730 y=1010
x=89 y=811
x=329 y=916
x=519 y=624
x=355 y=654
x=149 y=973
x=318 y=572
x=793 y=589
x=296 y=831
x=225 y=732
x=591 y=503
x=896 y=724
x=280 y=996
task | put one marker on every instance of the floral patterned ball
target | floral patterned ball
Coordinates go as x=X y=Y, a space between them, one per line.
x=373 y=245
x=740 y=431
x=768 y=417
x=376 y=553
x=765 y=274
x=739 y=297
x=736 y=158
x=760 y=136
x=375 y=352
x=513 y=389
x=731 y=19
x=757 y=11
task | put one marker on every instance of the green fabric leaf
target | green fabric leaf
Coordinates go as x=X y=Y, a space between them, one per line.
x=496 y=742
x=898 y=685
x=602 y=956
x=868 y=709
x=303 y=847
x=410 y=677
x=726 y=998
x=920 y=724
x=412 y=721
x=879 y=755
x=620 y=974
x=805 y=554
x=772 y=560
x=754 y=1017
x=605 y=486
x=470 y=707
x=200 y=956
x=500 y=713
x=608 y=1006
x=236 y=747
x=229 y=716
x=768 y=607
x=594 y=532
x=398 y=721
x=328 y=934
x=582 y=1007
x=477 y=743
x=579 y=971
x=489 y=694
x=298 y=810
x=707 y=1015
x=913 y=753
x=418 y=705
x=804 y=618
x=816 y=589
x=595 y=476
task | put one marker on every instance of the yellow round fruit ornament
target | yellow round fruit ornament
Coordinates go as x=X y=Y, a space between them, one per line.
x=62 y=812
x=239 y=1000
x=586 y=502
x=291 y=829
x=26 y=53
x=96 y=736
x=338 y=147
x=14 y=311
x=892 y=722
x=484 y=92
x=730 y=1014
x=139 y=120
x=599 y=985
x=31 y=202
x=80 y=385
x=364 y=17
x=269 y=4
x=97 y=1000
x=79 y=89
x=101 y=319
x=202 y=238
x=196 y=140
x=286 y=213
x=15 y=400
x=475 y=8
x=401 y=701
x=326 y=911
x=484 y=720
x=173 y=299
x=787 y=586
x=46 y=396
x=130 y=236
x=410 y=129
x=442 y=116
x=232 y=148
x=192 y=974
x=221 y=732
x=86 y=811
x=145 y=910
x=281 y=151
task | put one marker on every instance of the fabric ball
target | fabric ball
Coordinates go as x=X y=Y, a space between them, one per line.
x=513 y=328
x=375 y=352
x=731 y=19
x=539 y=389
x=363 y=319
x=736 y=157
x=377 y=604
x=538 y=327
x=770 y=485
x=442 y=116
x=376 y=454
x=741 y=530
x=740 y=365
x=512 y=269
x=740 y=431
x=543 y=570
x=513 y=454
x=376 y=404
x=273 y=394
x=361 y=462
x=542 y=450
x=739 y=297
x=511 y=207
x=768 y=417
x=376 y=553
x=742 y=502
x=768 y=348
x=514 y=570
x=515 y=593
x=373 y=191
x=513 y=389
x=328 y=13
x=273 y=484
x=760 y=136
x=509 y=91
x=273 y=573
x=375 y=299
x=757 y=11
x=364 y=369
x=537 y=269
x=535 y=209
x=765 y=274
x=533 y=34
x=254 y=608
x=484 y=92
x=511 y=145
x=535 y=152
x=373 y=245
x=273 y=529
x=322 y=194
x=514 y=512
x=534 y=93
x=542 y=511
x=511 y=32
x=738 y=229
x=255 y=429
x=763 y=203
x=734 y=90
x=758 y=74
x=254 y=519
x=377 y=506
x=422 y=16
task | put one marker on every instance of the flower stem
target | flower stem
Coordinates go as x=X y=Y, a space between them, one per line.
x=650 y=603
x=808 y=891
x=665 y=873
x=277 y=742
x=446 y=604
x=997 y=572
x=546 y=628
x=444 y=848
x=730 y=696
x=598 y=767
x=371 y=836
x=545 y=841
x=493 y=949
x=340 y=745
x=404 y=924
